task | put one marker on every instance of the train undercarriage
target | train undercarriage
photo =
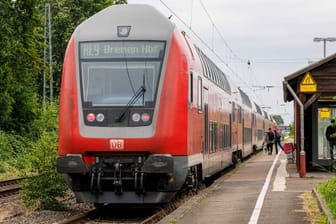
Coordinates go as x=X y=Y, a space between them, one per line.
x=128 y=179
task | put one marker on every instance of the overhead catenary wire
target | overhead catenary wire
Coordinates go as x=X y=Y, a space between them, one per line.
x=211 y=48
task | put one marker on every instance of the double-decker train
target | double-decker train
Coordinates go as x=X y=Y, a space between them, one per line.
x=145 y=113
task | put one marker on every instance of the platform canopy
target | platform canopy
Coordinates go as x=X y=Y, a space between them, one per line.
x=317 y=80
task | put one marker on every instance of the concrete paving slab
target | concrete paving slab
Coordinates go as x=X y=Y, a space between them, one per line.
x=232 y=198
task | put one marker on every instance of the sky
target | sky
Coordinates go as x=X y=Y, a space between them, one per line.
x=256 y=42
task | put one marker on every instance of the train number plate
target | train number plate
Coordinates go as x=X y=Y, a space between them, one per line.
x=116 y=144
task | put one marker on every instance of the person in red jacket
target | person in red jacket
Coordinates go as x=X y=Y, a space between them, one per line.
x=277 y=139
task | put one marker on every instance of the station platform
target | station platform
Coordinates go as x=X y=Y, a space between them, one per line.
x=264 y=189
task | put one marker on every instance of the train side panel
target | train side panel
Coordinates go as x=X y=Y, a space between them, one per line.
x=143 y=112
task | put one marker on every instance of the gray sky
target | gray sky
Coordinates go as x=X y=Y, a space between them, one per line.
x=276 y=36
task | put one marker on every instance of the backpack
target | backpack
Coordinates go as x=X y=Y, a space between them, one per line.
x=277 y=134
x=270 y=135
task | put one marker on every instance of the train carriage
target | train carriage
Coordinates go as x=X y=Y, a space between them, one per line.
x=259 y=128
x=144 y=112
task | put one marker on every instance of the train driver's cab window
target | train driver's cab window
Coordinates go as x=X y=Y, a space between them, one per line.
x=113 y=72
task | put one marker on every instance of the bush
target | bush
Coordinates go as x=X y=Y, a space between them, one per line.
x=12 y=147
x=43 y=184
x=328 y=191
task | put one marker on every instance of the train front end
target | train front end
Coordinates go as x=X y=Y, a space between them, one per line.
x=122 y=130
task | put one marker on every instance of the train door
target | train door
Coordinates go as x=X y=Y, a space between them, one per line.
x=206 y=130
x=234 y=127
x=243 y=133
x=240 y=127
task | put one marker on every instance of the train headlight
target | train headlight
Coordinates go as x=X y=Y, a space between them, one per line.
x=91 y=117
x=145 y=117
x=100 y=117
x=136 y=117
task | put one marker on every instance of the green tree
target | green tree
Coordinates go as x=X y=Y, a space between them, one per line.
x=278 y=119
x=291 y=129
x=66 y=16
x=20 y=44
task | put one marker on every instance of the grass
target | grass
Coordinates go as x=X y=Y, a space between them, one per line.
x=328 y=192
x=312 y=208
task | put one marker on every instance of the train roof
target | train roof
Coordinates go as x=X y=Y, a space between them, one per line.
x=245 y=98
x=104 y=25
x=212 y=72
x=258 y=108
x=266 y=115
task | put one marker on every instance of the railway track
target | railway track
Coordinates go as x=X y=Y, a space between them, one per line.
x=129 y=214
x=118 y=214
x=9 y=187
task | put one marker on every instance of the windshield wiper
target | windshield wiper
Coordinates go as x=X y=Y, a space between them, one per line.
x=140 y=92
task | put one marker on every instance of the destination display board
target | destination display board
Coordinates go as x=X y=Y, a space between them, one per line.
x=122 y=49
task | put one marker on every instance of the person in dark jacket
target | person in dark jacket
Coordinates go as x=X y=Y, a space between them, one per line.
x=269 y=139
x=331 y=136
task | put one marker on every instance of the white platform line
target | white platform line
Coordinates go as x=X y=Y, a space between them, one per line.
x=279 y=183
x=260 y=201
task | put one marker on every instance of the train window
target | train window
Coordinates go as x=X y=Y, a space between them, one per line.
x=227 y=136
x=233 y=112
x=224 y=136
x=247 y=135
x=240 y=114
x=199 y=94
x=260 y=134
x=190 y=88
x=213 y=136
x=221 y=136
x=253 y=119
x=108 y=79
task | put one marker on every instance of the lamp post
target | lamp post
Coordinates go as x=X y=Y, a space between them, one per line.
x=324 y=39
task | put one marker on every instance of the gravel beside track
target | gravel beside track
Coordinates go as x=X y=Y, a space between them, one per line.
x=12 y=212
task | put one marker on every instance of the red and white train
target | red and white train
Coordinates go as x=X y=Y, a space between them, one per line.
x=145 y=113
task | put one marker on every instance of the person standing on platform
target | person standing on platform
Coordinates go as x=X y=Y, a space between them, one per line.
x=269 y=138
x=331 y=136
x=277 y=139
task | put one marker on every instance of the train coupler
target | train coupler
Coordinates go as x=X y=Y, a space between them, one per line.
x=117 y=183
x=139 y=182
x=95 y=181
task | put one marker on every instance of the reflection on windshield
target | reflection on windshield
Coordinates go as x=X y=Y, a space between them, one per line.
x=112 y=71
x=114 y=83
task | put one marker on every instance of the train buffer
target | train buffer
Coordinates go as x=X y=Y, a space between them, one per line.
x=264 y=189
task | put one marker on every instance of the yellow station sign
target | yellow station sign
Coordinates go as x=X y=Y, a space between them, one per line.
x=325 y=113
x=308 y=84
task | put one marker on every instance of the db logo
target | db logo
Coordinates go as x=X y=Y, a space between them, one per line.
x=116 y=144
